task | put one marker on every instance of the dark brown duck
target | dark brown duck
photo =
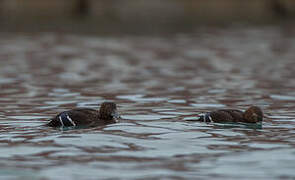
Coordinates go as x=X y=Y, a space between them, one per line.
x=107 y=114
x=252 y=115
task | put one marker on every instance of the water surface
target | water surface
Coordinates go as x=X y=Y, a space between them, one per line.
x=158 y=83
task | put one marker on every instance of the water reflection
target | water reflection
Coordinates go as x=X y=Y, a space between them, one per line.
x=160 y=84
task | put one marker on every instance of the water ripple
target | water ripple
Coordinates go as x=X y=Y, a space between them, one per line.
x=161 y=85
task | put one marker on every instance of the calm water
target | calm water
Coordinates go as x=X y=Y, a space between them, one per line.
x=158 y=83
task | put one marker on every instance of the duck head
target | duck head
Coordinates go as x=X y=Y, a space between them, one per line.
x=253 y=114
x=108 y=111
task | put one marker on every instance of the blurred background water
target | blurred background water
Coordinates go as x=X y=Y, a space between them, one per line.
x=159 y=80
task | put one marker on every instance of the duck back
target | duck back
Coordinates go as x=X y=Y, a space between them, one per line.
x=223 y=115
x=75 y=117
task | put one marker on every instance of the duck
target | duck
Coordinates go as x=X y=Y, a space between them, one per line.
x=107 y=114
x=252 y=115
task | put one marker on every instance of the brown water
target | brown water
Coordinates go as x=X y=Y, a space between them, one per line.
x=158 y=84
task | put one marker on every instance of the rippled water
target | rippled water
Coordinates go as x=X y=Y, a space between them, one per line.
x=158 y=83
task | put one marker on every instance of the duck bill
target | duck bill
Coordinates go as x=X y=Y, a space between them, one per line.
x=116 y=115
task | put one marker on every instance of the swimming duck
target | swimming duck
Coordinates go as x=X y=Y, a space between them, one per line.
x=107 y=114
x=252 y=115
